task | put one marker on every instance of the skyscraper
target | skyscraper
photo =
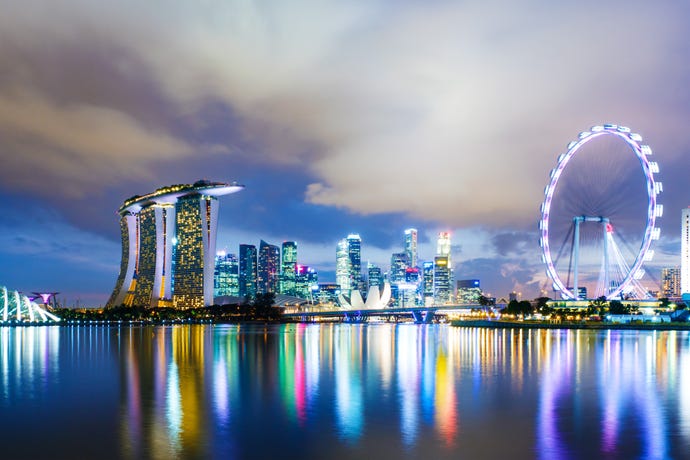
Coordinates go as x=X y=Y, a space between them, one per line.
x=269 y=261
x=396 y=275
x=375 y=276
x=444 y=249
x=398 y=266
x=248 y=268
x=442 y=290
x=196 y=219
x=670 y=282
x=443 y=246
x=428 y=282
x=348 y=265
x=411 y=246
x=288 y=268
x=469 y=291
x=306 y=281
x=226 y=277
x=685 y=252
x=168 y=246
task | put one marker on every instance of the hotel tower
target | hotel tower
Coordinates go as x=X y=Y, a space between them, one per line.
x=169 y=246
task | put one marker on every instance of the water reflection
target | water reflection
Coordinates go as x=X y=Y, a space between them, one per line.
x=341 y=390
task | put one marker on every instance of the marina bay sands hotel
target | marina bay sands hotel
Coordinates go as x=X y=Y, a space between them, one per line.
x=169 y=245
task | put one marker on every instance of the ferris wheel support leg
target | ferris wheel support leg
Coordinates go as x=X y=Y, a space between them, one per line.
x=576 y=255
x=606 y=260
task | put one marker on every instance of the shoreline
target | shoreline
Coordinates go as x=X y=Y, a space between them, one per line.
x=497 y=324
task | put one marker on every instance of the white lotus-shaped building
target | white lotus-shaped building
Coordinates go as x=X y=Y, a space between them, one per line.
x=376 y=300
x=19 y=308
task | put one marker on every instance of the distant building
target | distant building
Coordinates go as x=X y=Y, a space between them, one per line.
x=411 y=246
x=444 y=249
x=248 y=270
x=670 y=282
x=268 y=268
x=288 y=268
x=428 y=283
x=306 y=282
x=442 y=289
x=348 y=269
x=327 y=293
x=685 y=252
x=168 y=246
x=226 y=279
x=375 y=276
x=468 y=291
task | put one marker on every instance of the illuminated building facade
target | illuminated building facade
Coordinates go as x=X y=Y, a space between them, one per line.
x=268 y=268
x=348 y=267
x=168 y=246
x=442 y=282
x=468 y=291
x=428 y=283
x=226 y=281
x=248 y=268
x=670 y=283
x=411 y=246
x=685 y=252
x=375 y=276
x=288 y=268
x=306 y=281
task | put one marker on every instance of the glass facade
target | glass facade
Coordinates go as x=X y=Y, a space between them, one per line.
x=268 y=274
x=288 y=268
x=146 y=271
x=411 y=246
x=226 y=280
x=248 y=268
x=468 y=291
x=442 y=291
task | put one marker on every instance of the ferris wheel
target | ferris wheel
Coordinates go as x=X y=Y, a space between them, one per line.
x=599 y=215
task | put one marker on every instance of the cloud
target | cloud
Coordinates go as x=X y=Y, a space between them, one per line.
x=453 y=113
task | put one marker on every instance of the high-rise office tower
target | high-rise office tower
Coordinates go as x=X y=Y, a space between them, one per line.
x=670 y=282
x=226 y=281
x=411 y=246
x=428 y=283
x=398 y=266
x=444 y=249
x=442 y=289
x=268 y=271
x=443 y=245
x=306 y=281
x=685 y=252
x=348 y=266
x=288 y=268
x=469 y=291
x=168 y=246
x=375 y=276
x=248 y=269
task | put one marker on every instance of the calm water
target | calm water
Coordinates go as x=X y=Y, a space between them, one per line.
x=342 y=391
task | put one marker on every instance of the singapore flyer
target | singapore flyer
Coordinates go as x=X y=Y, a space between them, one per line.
x=599 y=216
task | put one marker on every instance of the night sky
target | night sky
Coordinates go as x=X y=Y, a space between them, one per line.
x=339 y=117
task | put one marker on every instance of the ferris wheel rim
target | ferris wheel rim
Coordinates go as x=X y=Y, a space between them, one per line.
x=652 y=231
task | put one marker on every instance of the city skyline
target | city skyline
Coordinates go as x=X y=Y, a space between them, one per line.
x=450 y=121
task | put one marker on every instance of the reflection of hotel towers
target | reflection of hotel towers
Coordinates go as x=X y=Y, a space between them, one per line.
x=168 y=246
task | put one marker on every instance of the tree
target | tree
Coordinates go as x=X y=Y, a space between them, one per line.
x=616 y=307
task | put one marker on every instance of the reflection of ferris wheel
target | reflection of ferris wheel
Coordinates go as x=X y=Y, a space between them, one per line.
x=599 y=215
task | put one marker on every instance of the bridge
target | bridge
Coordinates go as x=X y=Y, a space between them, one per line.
x=420 y=315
